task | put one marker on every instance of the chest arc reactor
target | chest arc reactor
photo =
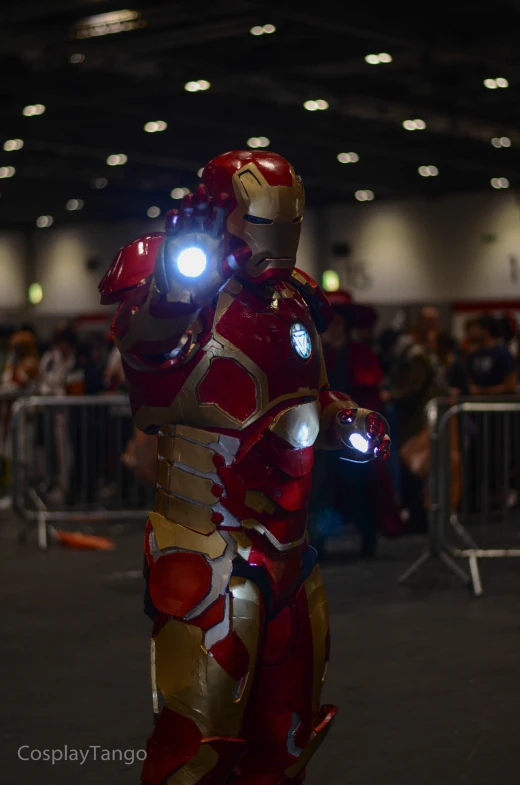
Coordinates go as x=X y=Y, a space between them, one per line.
x=301 y=341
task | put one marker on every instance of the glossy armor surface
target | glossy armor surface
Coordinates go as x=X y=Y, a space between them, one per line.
x=233 y=383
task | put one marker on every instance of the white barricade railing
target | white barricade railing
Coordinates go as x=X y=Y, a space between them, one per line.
x=66 y=462
x=474 y=484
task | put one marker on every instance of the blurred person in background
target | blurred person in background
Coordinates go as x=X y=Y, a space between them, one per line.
x=139 y=455
x=19 y=376
x=466 y=345
x=114 y=380
x=491 y=366
x=57 y=362
x=508 y=330
x=21 y=368
x=366 y=378
x=341 y=489
x=452 y=371
x=5 y=336
x=492 y=372
x=429 y=319
x=87 y=425
x=415 y=381
x=57 y=378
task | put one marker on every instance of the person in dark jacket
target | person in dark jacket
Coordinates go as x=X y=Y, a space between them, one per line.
x=415 y=382
x=341 y=488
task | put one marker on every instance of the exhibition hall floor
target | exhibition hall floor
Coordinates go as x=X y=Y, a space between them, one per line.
x=427 y=677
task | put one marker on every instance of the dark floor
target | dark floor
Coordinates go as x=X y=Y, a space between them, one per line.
x=427 y=678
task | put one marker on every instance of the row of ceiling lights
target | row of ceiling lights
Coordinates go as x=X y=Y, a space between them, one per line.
x=119 y=159
x=269 y=29
x=263 y=30
x=361 y=195
x=311 y=105
x=492 y=84
x=155 y=126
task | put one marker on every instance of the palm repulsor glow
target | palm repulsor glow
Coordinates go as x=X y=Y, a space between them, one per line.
x=358 y=442
x=191 y=262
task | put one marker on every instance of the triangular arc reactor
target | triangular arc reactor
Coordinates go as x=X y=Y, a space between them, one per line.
x=301 y=341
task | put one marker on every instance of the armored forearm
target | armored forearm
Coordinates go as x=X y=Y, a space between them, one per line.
x=331 y=404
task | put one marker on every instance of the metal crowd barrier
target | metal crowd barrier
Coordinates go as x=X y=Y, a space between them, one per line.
x=66 y=463
x=474 y=484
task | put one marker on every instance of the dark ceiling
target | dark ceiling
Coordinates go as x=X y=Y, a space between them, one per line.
x=441 y=54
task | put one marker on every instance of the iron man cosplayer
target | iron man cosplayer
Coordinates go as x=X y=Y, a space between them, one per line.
x=219 y=335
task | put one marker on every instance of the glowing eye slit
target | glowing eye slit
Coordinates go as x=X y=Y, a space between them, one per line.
x=255 y=219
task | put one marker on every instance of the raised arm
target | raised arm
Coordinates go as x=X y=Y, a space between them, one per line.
x=163 y=281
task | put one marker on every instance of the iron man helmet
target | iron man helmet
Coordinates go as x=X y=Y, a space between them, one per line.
x=266 y=209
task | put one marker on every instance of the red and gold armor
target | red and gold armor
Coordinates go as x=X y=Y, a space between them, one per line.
x=223 y=360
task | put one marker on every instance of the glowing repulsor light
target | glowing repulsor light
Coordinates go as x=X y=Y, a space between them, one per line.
x=358 y=442
x=191 y=262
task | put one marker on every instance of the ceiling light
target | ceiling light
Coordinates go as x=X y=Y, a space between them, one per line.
x=330 y=281
x=77 y=58
x=99 y=182
x=35 y=293
x=75 y=204
x=501 y=82
x=179 y=193
x=500 y=182
x=364 y=196
x=258 y=141
x=200 y=171
x=13 y=144
x=33 y=109
x=194 y=87
x=153 y=212
x=502 y=141
x=261 y=29
x=347 y=158
x=117 y=159
x=313 y=106
x=428 y=171
x=107 y=24
x=44 y=221
x=414 y=125
x=490 y=84
x=6 y=171
x=155 y=125
x=383 y=57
